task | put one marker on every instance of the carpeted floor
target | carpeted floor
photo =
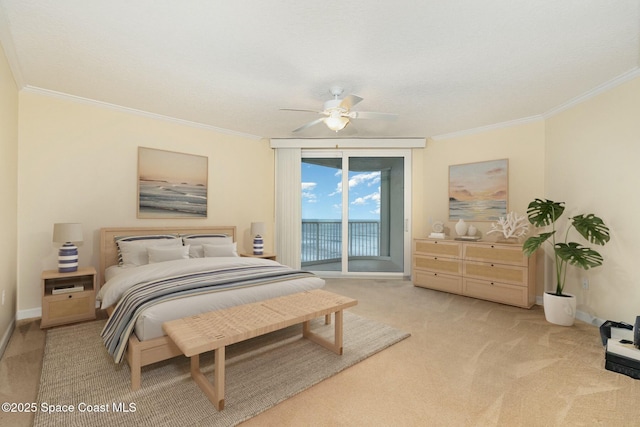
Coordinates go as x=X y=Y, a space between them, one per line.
x=468 y=363
x=260 y=373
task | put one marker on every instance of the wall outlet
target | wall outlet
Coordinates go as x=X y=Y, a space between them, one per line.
x=585 y=284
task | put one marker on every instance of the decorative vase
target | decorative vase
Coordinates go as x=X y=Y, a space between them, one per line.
x=461 y=227
x=258 y=245
x=559 y=309
x=68 y=258
x=472 y=230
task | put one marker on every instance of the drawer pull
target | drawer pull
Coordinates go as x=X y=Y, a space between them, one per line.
x=492 y=246
x=491 y=283
x=435 y=258
x=70 y=296
x=491 y=265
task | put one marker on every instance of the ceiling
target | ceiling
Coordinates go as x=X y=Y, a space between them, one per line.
x=442 y=66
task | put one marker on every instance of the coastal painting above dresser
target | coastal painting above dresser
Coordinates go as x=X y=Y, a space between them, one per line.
x=498 y=272
x=479 y=191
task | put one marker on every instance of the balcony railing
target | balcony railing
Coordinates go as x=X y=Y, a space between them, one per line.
x=322 y=240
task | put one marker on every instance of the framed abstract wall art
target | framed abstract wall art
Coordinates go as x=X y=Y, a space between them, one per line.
x=171 y=185
x=479 y=191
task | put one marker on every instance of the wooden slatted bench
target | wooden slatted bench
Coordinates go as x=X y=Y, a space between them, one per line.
x=215 y=330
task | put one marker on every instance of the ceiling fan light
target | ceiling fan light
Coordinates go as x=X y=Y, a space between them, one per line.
x=336 y=123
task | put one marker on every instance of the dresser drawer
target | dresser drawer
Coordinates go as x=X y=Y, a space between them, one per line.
x=497 y=292
x=496 y=272
x=437 y=281
x=496 y=253
x=440 y=248
x=438 y=264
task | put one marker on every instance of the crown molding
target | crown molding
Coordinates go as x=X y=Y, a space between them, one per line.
x=617 y=81
x=481 y=129
x=86 y=101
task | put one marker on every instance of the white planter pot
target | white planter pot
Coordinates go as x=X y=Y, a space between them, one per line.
x=559 y=310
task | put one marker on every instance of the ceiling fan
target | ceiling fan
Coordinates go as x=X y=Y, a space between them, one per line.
x=338 y=112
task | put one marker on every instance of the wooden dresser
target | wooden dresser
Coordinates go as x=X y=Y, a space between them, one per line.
x=497 y=272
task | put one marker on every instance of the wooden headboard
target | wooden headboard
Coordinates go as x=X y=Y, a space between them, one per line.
x=109 y=249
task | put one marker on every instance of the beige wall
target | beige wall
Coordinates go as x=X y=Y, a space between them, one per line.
x=8 y=211
x=78 y=163
x=586 y=156
x=592 y=161
x=523 y=145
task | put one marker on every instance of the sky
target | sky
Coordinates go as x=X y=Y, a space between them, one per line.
x=322 y=193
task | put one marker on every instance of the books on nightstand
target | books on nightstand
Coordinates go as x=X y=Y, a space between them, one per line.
x=65 y=289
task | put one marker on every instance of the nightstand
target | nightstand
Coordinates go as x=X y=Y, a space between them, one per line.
x=68 y=297
x=265 y=255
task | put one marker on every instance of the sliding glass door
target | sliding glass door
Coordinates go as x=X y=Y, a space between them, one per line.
x=355 y=211
x=322 y=213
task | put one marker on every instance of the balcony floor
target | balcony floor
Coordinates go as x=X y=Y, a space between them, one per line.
x=359 y=266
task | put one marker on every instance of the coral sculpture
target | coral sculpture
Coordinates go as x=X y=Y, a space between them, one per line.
x=511 y=226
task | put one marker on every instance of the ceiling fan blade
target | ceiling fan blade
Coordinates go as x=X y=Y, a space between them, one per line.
x=308 y=125
x=349 y=101
x=372 y=115
x=298 y=109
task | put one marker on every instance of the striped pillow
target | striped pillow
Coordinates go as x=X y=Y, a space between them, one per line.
x=132 y=250
x=195 y=241
x=202 y=236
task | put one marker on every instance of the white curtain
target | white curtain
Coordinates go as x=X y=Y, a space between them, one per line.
x=288 y=230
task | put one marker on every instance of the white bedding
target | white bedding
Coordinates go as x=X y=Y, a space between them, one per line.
x=149 y=324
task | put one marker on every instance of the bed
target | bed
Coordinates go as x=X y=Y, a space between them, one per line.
x=228 y=281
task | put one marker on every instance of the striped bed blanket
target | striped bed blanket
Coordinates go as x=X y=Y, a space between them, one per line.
x=139 y=297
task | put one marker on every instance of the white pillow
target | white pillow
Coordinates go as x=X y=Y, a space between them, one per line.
x=196 y=243
x=222 y=250
x=167 y=253
x=135 y=253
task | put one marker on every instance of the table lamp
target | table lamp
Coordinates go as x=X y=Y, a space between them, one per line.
x=257 y=230
x=67 y=234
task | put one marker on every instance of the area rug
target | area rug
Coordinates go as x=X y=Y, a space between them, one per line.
x=260 y=373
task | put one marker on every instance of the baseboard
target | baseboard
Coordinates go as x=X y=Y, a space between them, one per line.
x=29 y=314
x=6 y=337
x=587 y=318
x=580 y=315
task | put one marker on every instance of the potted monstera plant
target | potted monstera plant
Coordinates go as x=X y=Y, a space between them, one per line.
x=559 y=307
